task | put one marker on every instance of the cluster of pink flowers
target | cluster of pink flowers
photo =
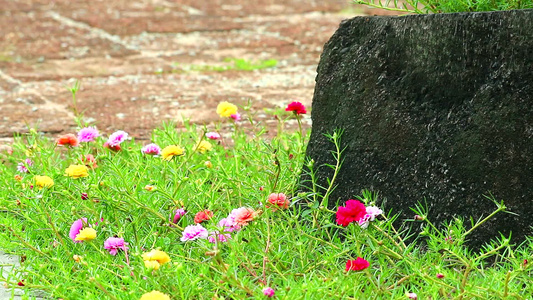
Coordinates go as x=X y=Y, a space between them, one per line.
x=234 y=222
x=117 y=138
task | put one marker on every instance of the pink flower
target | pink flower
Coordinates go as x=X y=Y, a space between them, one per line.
x=194 y=232
x=269 y=292
x=279 y=200
x=116 y=138
x=151 y=149
x=357 y=264
x=228 y=225
x=213 y=135
x=243 y=215
x=371 y=213
x=76 y=227
x=88 y=134
x=353 y=211
x=84 y=196
x=180 y=212
x=296 y=107
x=440 y=275
x=221 y=237
x=21 y=167
x=113 y=244
x=411 y=296
x=236 y=117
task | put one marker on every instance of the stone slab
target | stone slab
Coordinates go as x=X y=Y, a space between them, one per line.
x=435 y=109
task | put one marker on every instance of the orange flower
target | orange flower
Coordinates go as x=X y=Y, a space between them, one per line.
x=18 y=177
x=68 y=139
x=243 y=215
x=204 y=215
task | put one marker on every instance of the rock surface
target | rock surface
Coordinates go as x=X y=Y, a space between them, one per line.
x=434 y=108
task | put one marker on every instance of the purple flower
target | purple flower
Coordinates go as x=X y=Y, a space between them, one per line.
x=113 y=244
x=180 y=212
x=228 y=224
x=151 y=149
x=236 y=117
x=221 y=237
x=194 y=232
x=76 y=227
x=269 y=292
x=117 y=137
x=88 y=134
x=213 y=135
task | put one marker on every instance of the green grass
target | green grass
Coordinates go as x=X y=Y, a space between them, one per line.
x=300 y=252
x=446 y=6
x=231 y=64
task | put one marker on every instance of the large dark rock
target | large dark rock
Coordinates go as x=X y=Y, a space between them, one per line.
x=434 y=107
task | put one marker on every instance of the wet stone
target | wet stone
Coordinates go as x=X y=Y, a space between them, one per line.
x=435 y=109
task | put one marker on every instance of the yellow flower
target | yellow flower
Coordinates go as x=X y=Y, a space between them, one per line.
x=152 y=264
x=226 y=109
x=155 y=295
x=208 y=164
x=43 y=181
x=203 y=146
x=86 y=234
x=77 y=171
x=170 y=151
x=155 y=258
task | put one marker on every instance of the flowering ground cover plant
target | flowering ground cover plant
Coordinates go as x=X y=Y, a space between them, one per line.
x=96 y=215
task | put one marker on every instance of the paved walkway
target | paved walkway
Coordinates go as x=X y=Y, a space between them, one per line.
x=144 y=61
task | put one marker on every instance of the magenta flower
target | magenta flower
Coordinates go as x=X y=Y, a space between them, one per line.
x=151 y=149
x=76 y=227
x=113 y=244
x=180 y=212
x=194 y=232
x=88 y=134
x=236 y=117
x=221 y=237
x=228 y=224
x=269 y=292
x=213 y=135
x=116 y=138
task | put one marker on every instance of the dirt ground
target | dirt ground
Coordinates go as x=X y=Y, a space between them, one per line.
x=141 y=62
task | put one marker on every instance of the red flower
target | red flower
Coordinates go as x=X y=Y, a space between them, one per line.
x=353 y=211
x=68 y=139
x=296 y=107
x=357 y=265
x=204 y=215
x=110 y=147
x=21 y=283
x=89 y=161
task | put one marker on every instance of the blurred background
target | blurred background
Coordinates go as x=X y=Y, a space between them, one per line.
x=141 y=62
